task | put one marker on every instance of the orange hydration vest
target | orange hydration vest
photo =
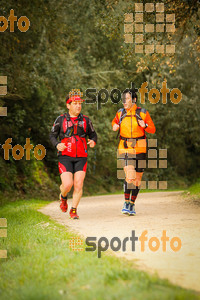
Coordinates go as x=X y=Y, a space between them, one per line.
x=132 y=136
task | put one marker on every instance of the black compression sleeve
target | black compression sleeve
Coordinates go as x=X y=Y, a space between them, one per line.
x=55 y=132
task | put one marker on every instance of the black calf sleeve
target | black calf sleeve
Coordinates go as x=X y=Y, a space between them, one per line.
x=126 y=191
x=134 y=193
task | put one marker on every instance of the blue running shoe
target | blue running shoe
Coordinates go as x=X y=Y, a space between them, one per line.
x=125 y=209
x=132 y=211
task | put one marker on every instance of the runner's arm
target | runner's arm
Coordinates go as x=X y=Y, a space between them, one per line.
x=91 y=132
x=116 y=119
x=115 y=122
x=55 y=130
x=150 y=125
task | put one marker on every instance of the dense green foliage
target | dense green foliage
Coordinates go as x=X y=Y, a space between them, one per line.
x=80 y=44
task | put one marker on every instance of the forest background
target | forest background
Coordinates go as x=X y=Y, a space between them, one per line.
x=80 y=45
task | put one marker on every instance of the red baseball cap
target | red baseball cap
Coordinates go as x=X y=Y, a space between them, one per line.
x=74 y=98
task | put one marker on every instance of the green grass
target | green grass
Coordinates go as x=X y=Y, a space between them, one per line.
x=141 y=191
x=193 y=193
x=195 y=189
x=40 y=264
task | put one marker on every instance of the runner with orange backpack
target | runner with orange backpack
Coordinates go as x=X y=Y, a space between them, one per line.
x=132 y=122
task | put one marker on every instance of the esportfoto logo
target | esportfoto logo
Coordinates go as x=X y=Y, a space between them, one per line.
x=154 y=95
x=18 y=151
x=3 y=234
x=153 y=243
x=164 y=23
x=23 y=22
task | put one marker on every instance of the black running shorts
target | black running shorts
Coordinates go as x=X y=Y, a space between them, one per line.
x=133 y=160
x=71 y=164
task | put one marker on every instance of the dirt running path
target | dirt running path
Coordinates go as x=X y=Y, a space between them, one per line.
x=101 y=216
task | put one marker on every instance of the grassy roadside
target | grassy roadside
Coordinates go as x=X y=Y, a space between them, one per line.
x=195 y=189
x=9 y=198
x=141 y=192
x=40 y=264
x=193 y=193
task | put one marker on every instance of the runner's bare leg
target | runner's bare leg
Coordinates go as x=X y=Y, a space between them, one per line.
x=130 y=173
x=132 y=176
x=78 y=187
x=67 y=183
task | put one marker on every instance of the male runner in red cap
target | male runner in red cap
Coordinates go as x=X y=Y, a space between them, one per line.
x=72 y=128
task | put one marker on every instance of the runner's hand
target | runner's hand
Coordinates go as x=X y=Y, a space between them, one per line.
x=115 y=127
x=61 y=147
x=142 y=123
x=91 y=143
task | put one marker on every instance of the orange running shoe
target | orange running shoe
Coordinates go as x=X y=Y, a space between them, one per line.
x=63 y=204
x=73 y=214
